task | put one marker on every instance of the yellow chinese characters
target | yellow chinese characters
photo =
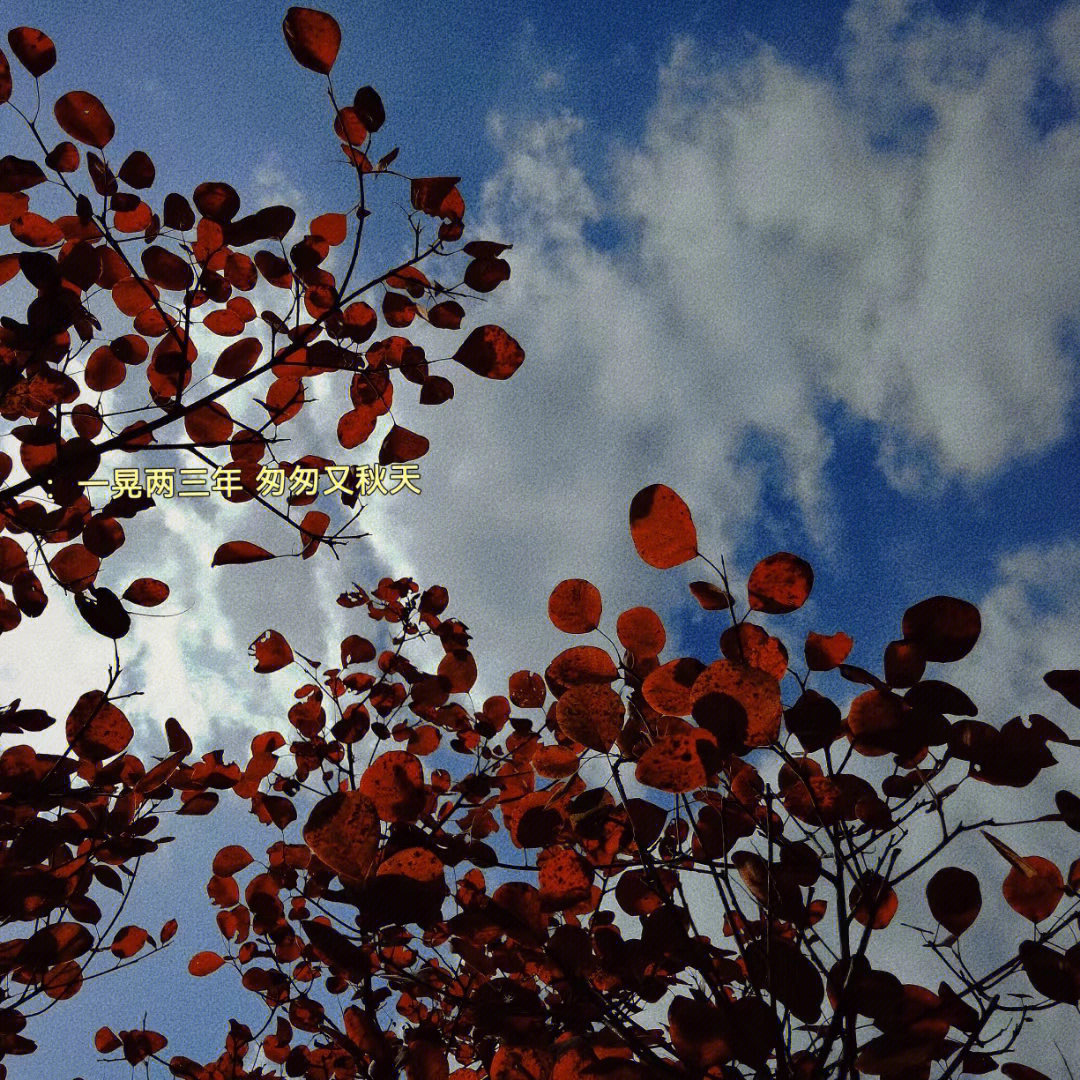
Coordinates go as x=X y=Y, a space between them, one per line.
x=270 y=481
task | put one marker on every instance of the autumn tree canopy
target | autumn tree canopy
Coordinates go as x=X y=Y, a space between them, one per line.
x=115 y=289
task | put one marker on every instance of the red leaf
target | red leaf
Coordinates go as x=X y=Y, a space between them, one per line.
x=757 y=692
x=35 y=230
x=313 y=527
x=128 y=941
x=350 y=129
x=63 y=157
x=401 y=444
x=332 y=227
x=433 y=194
x=668 y=689
x=105 y=1041
x=313 y=38
x=5 y=83
x=1034 y=890
x=356 y=650
x=137 y=170
x=63 y=981
x=674 y=762
x=527 y=690
x=520 y=1063
x=33 y=49
x=239 y=551
x=955 y=898
x=591 y=714
x=147 y=592
x=662 y=528
x=427 y=1061
x=459 y=667
x=284 y=399
x=271 y=651
x=574 y=606
x=873 y=901
x=780 y=583
x=943 y=628
x=874 y=720
x=394 y=782
x=700 y=1032
x=231 y=859
x=355 y=427
x=209 y=425
x=581 y=664
x=491 y=352
x=446 y=315
x=167 y=269
x=18 y=174
x=640 y=631
x=224 y=323
x=238 y=358
x=217 y=201
x=711 y=597
x=436 y=390
x=204 y=963
x=824 y=653
x=904 y=664
x=369 y=108
x=398 y=311
x=486 y=275
x=84 y=118
x=343 y=832
x=1050 y=972
x=565 y=881
x=96 y=729
x=75 y=566
x=747 y=643
x=554 y=763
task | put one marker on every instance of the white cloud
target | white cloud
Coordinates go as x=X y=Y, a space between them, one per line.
x=777 y=260
x=1029 y=628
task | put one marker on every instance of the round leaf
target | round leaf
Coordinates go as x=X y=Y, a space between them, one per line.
x=943 y=628
x=591 y=714
x=313 y=38
x=271 y=651
x=955 y=898
x=84 y=118
x=1034 y=895
x=640 y=630
x=96 y=729
x=661 y=527
x=343 y=832
x=826 y=652
x=574 y=606
x=780 y=583
x=33 y=49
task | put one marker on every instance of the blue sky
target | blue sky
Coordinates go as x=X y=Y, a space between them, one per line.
x=812 y=265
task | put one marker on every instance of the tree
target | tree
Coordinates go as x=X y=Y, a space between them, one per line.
x=509 y=891
x=109 y=262
x=103 y=366
x=632 y=865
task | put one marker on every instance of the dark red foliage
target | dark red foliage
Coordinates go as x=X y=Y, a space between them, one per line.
x=158 y=267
